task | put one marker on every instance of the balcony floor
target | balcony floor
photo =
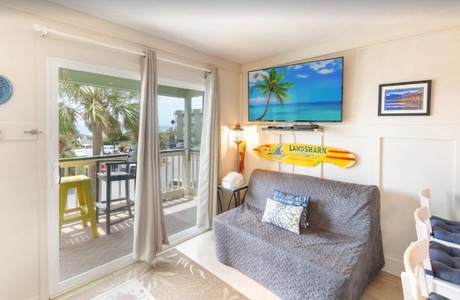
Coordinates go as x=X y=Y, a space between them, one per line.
x=79 y=252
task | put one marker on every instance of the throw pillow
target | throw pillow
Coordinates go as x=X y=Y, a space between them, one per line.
x=290 y=199
x=282 y=215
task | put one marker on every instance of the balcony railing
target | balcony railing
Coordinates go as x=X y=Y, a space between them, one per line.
x=179 y=170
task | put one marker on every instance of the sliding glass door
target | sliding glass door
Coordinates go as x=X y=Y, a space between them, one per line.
x=96 y=121
x=180 y=118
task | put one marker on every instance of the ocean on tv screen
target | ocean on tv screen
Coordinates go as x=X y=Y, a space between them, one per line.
x=330 y=111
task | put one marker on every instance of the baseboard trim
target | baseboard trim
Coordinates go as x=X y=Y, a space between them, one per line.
x=393 y=266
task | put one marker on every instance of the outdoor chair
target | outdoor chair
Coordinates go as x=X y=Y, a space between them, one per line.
x=121 y=172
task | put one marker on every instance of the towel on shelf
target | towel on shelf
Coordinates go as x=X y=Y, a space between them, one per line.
x=232 y=180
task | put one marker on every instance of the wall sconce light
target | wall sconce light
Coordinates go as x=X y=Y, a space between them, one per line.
x=238 y=136
x=238 y=139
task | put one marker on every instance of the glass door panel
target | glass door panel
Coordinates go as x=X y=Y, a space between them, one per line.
x=180 y=112
x=98 y=118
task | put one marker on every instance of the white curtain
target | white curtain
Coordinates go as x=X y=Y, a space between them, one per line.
x=149 y=224
x=209 y=154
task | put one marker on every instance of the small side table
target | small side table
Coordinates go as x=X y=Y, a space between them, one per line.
x=235 y=195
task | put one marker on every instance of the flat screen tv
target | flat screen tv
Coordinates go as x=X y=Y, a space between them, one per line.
x=303 y=92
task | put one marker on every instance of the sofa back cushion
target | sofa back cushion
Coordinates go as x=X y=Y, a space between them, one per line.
x=334 y=206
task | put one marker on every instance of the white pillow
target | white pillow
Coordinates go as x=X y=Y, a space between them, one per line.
x=282 y=215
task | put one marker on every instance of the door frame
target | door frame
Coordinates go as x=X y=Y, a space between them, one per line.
x=51 y=241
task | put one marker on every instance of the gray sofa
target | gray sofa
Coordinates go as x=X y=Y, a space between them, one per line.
x=336 y=257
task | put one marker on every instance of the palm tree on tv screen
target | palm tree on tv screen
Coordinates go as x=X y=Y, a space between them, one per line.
x=271 y=85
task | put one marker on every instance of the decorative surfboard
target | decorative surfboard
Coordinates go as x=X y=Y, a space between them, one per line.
x=305 y=154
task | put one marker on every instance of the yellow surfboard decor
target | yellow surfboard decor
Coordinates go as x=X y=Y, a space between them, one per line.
x=305 y=154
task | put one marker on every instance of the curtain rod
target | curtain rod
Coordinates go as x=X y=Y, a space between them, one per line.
x=45 y=30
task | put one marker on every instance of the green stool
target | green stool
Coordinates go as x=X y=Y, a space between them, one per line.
x=85 y=210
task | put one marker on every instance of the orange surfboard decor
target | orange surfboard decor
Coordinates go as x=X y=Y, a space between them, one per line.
x=305 y=154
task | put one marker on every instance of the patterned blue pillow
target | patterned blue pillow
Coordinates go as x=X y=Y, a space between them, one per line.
x=290 y=199
x=282 y=215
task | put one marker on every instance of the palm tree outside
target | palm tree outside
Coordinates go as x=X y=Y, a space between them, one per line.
x=103 y=110
x=271 y=85
x=67 y=117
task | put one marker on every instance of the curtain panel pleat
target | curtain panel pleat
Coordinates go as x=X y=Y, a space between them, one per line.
x=149 y=225
x=209 y=154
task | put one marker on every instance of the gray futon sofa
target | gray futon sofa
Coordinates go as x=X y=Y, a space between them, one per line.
x=336 y=257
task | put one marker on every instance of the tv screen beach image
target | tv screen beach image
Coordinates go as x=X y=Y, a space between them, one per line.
x=302 y=92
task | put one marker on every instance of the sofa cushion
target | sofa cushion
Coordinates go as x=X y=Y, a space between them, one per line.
x=434 y=296
x=283 y=215
x=446 y=230
x=445 y=262
x=291 y=199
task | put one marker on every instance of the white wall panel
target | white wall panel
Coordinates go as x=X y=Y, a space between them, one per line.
x=364 y=165
x=19 y=163
x=408 y=165
x=254 y=138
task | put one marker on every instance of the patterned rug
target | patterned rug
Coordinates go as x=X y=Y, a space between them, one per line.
x=132 y=289
x=172 y=276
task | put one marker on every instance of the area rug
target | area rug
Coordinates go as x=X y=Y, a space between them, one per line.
x=173 y=276
x=133 y=290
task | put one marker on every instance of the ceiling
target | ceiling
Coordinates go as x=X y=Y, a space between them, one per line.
x=245 y=31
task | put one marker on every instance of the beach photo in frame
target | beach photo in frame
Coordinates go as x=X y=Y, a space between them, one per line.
x=405 y=98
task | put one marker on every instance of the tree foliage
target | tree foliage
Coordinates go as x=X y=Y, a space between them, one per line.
x=105 y=111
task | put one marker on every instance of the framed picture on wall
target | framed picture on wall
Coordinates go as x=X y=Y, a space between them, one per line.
x=405 y=98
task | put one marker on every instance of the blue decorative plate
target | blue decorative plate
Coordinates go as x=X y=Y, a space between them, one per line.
x=6 y=90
